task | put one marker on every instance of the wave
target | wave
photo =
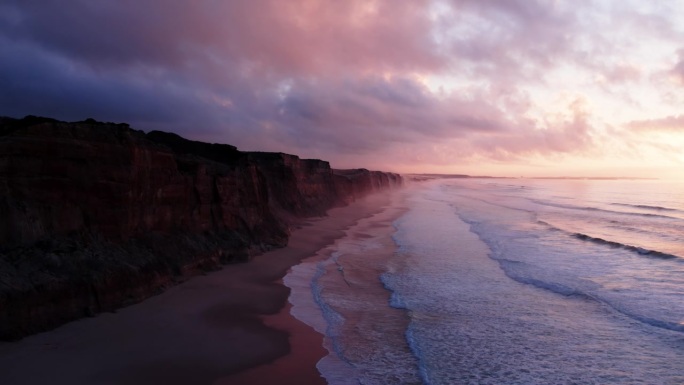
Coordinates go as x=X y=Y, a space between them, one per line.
x=616 y=245
x=333 y=318
x=412 y=342
x=597 y=209
x=648 y=207
x=567 y=291
x=511 y=267
x=397 y=302
x=395 y=299
x=534 y=275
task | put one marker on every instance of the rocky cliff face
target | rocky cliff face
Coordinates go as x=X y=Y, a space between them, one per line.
x=355 y=183
x=96 y=216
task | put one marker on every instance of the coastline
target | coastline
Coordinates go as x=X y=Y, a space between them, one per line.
x=340 y=282
x=105 y=216
x=222 y=328
x=308 y=346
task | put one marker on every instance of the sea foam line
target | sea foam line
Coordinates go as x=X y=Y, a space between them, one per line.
x=396 y=301
x=569 y=291
x=333 y=319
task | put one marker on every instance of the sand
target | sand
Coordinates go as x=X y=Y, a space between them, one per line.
x=228 y=327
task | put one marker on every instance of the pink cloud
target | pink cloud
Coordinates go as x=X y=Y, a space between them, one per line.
x=678 y=70
x=253 y=36
x=668 y=123
x=333 y=79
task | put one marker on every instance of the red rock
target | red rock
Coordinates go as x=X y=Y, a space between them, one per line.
x=95 y=216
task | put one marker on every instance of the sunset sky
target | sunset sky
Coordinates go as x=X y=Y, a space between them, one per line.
x=495 y=87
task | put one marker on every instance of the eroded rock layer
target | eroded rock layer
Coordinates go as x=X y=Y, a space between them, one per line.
x=95 y=216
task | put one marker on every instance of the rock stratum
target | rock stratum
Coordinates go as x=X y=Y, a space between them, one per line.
x=95 y=216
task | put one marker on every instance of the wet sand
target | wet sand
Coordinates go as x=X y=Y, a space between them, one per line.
x=228 y=327
x=347 y=279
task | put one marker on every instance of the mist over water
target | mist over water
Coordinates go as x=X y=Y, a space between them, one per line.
x=516 y=282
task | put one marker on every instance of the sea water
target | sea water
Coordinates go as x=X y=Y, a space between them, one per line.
x=506 y=281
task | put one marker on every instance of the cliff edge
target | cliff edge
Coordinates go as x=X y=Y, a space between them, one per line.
x=95 y=216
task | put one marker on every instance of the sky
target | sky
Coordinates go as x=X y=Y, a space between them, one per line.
x=479 y=87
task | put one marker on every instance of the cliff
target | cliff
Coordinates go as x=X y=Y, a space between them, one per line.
x=95 y=216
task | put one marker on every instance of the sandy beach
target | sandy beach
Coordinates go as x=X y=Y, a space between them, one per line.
x=229 y=327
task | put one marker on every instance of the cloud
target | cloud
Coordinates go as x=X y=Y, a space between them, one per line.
x=340 y=80
x=249 y=36
x=673 y=123
x=677 y=71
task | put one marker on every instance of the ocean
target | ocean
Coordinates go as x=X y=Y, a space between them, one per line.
x=504 y=281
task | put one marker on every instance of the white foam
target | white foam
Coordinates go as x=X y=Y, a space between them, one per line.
x=523 y=308
x=472 y=324
x=338 y=292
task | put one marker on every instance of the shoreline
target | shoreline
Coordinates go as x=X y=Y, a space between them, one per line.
x=115 y=215
x=213 y=329
x=311 y=347
x=353 y=265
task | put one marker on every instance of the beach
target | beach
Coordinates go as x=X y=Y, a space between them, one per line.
x=231 y=326
x=442 y=282
x=342 y=192
x=499 y=282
